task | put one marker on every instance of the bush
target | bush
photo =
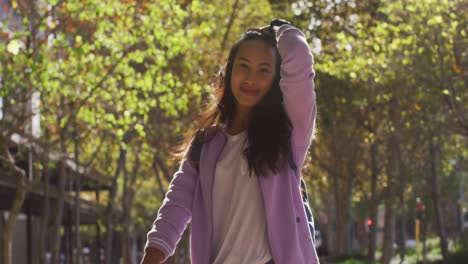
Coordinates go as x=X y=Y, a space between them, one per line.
x=353 y=258
x=459 y=257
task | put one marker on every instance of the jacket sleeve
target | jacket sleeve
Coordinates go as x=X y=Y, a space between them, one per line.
x=175 y=212
x=297 y=85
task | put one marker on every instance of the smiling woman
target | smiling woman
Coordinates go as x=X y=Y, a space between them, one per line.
x=253 y=73
x=249 y=98
x=241 y=191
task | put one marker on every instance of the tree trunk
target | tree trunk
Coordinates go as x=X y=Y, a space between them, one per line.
x=330 y=226
x=127 y=234
x=57 y=225
x=129 y=185
x=2 y=227
x=337 y=214
x=126 y=218
x=389 y=229
x=43 y=231
x=424 y=224
x=373 y=203
x=341 y=188
x=162 y=191
x=402 y=229
x=11 y=220
x=17 y=204
x=461 y=217
x=436 y=197
x=59 y=202
x=110 y=206
x=78 y=247
x=394 y=175
x=346 y=219
x=342 y=212
x=229 y=26
x=402 y=209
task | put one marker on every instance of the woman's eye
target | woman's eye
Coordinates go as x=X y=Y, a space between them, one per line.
x=265 y=70
x=243 y=65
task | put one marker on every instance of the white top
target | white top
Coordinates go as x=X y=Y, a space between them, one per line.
x=240 y=231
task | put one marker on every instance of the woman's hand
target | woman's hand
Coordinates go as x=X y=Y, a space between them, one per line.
x=153 y=256
x=267 y=30
x=277 y=22
x=273 y=27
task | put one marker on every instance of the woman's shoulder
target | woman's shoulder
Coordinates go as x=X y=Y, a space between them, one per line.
x=207 y=134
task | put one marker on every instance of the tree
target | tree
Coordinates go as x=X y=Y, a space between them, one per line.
x=375 y=44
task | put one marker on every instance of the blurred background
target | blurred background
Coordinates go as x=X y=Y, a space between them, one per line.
x=95 y=94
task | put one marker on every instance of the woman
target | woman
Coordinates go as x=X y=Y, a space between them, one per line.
x=243 y=197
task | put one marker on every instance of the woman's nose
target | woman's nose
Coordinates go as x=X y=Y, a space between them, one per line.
x=250 y=79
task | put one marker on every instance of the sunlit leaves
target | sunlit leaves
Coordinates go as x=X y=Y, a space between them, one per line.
x=120 y=66
x=14 y=46
x=400 y=61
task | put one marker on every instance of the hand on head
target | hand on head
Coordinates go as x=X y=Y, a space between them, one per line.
x=271 y=29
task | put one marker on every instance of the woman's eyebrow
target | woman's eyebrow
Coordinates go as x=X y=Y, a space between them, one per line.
x=261 y=64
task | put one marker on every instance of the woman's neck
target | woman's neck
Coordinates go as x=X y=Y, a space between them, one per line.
x=240 y=122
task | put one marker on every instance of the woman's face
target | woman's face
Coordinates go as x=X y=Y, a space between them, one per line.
x=253 y=72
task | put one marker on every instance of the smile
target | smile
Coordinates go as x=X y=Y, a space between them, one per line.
x=249 y=91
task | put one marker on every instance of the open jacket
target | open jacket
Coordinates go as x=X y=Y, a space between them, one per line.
x=190 y=192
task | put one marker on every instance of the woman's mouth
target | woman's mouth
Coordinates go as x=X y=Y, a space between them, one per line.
x=249 y=91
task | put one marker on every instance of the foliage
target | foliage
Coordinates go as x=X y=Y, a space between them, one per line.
x=386 y=72
x=133 y=75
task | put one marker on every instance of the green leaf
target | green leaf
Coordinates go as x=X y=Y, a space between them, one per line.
x=14 y=46
x=376 y=47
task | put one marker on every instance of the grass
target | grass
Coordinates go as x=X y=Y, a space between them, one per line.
x=414 y=255
x=458 y=255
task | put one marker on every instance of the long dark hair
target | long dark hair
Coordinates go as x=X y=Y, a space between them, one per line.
x=269 y=131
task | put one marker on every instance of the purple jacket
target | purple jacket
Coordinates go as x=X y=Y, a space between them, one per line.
x=190 y=193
